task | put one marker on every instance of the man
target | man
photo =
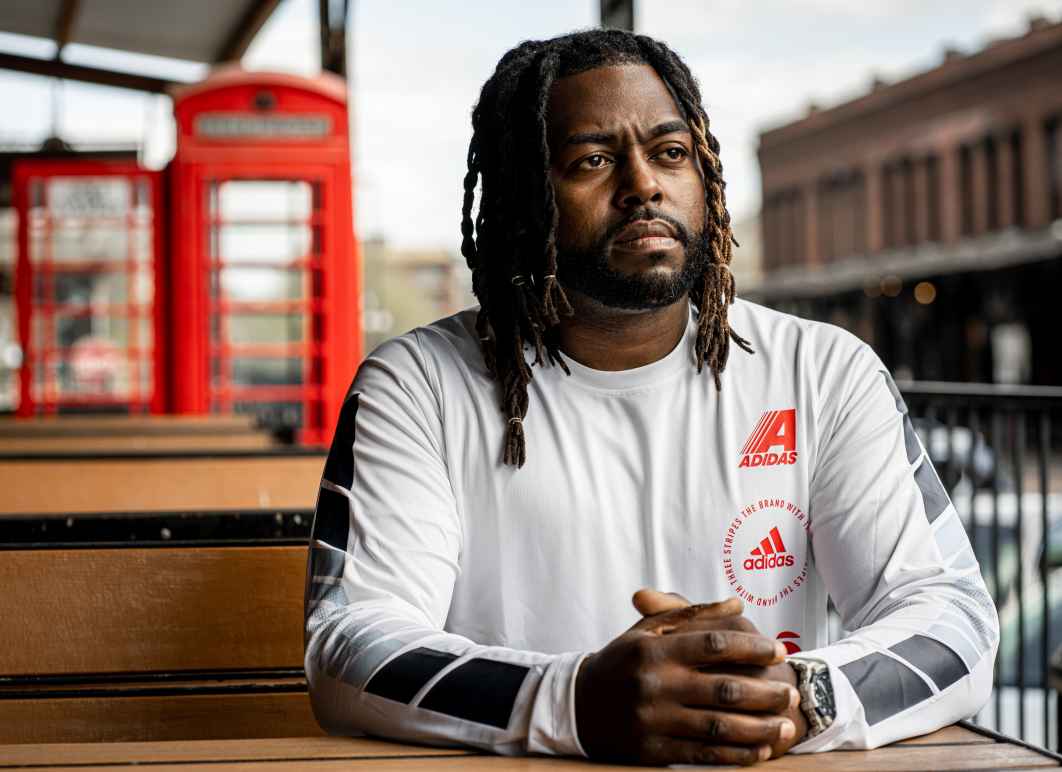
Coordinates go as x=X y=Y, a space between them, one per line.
x=470 y=573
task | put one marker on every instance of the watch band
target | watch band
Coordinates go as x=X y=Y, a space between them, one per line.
x=816 y=693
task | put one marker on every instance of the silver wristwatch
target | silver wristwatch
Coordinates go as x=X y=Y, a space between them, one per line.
x=816 y=693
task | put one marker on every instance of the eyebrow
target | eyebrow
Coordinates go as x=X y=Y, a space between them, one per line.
x=604 y=138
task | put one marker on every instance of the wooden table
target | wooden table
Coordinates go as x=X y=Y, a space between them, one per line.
x=959 y=747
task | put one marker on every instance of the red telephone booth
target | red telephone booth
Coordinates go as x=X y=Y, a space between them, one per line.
x=264 y=274
x=90 y=260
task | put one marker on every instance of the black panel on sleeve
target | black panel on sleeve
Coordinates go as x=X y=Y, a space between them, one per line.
x=934 y=496
x=884 y=686
x=933 y=658
x=402 y=677
x=481 y=690
x=339 y=468
x=331 y=521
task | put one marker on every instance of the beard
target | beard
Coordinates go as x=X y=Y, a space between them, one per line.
x=589 y=272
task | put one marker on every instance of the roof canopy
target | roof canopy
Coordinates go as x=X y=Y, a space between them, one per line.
x=208 y=31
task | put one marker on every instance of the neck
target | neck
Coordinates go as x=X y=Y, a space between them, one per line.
x=606 y=338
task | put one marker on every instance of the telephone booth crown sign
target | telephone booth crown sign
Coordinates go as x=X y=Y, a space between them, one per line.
x=265 y=309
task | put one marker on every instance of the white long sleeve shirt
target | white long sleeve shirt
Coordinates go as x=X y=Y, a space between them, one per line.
x=450 y=598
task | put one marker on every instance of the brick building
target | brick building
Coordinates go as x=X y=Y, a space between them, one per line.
x=926 y=215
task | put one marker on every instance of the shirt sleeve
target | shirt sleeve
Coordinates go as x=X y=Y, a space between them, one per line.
x=897 y=563
x=383 y=560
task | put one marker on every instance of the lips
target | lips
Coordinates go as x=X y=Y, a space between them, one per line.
x=643 y=229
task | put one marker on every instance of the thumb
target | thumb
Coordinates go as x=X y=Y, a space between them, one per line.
x=649 y=601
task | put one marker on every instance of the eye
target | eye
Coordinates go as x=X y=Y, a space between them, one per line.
x=674 y=153
x=595 y=161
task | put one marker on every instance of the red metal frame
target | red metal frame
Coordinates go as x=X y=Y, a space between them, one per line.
x=331 y=348
x=32 y=272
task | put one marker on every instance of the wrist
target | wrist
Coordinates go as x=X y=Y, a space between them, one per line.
x=817 y=702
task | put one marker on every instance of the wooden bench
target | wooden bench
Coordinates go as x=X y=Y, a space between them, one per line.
x=152 y=643
x=52 y=484
x=132 y=434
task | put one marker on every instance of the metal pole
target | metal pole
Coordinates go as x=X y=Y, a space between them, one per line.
x=617 y=14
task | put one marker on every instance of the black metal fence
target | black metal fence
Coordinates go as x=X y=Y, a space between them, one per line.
x=998 y=450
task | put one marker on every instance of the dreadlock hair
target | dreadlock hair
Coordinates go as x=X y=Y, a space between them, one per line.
x=512 y=249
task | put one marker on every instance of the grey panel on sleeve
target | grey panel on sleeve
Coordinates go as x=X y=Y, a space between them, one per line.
x=934 y=496
x=933 y=658
x=910 y=440
x=884 y=686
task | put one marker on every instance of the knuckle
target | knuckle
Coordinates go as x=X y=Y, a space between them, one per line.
x=715 y=642
x=729 y=692
x=649 y=750
x=706 y=754
x=714 y=727
x=646 y=685
x=642 y=650
x=643 y=717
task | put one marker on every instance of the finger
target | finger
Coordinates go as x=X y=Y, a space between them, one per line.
x=702 y=623
x=727 y=728
x=668 y=621
x=716 y=647
x=649 y=601
x=721 y=690
x=675 y=750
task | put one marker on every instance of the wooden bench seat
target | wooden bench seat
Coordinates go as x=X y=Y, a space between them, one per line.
x=152 y=643
x=75 y=483
x=132 y=434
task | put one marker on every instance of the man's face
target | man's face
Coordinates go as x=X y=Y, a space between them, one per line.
x=629 y=192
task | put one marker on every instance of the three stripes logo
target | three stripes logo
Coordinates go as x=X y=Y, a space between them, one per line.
x=773 y=441
x=770 y=554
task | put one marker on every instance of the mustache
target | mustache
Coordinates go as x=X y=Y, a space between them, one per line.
x=648 y=213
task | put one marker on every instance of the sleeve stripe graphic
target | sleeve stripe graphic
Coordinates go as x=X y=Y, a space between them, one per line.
x=934 y=497
x=481 y=690
x=401 y=678
x=933 y=658
x=910 y=440
x=884 y=686
x=339 y=468
x=331 y=521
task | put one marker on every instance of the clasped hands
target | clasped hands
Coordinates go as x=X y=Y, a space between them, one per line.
x=688 y=684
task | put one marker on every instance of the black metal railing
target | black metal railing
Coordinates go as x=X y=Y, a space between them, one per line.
x=998 y=450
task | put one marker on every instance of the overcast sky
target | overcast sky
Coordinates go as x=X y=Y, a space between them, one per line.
x=417 y=68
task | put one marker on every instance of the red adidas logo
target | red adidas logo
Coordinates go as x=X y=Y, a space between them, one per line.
x=770 y=554
x=776 y=429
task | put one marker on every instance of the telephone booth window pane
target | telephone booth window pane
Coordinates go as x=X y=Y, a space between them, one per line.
x=262 y=284
x=267 y=371
x=264 y=249
x=269 y=200
x=265 y=328
x=263 y=243
x=92 y=251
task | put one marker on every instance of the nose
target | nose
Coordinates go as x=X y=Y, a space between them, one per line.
x=638 y=184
